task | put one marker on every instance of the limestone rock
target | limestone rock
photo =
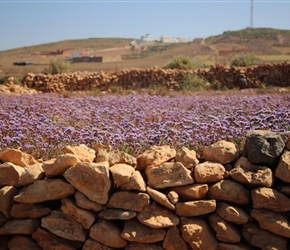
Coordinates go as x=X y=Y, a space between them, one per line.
x=91 y=244
x=160 y=198
x=208 y=172
x=84 y=217
x=32 y=211
x=64 y=226
x=228 y=190
x=173 y=197
x=191 y=192
x=31 y=174
x=121 y=173
x=137 y=232
x=117 y=214
x=197 y=233
x=25 y=242
x=283 y=169
x=252 y=175
x=106 y=153
x=173 y=240
x=195 y=208
x=20 y=226
x=85 y=203
x=45 y=190
x=49 y=241
x=10 y=174
x=170 y=174
x=264 y=147
x=156 y=155
x=274 y=222
x=155 y=216
x=187 y=157
x=129 y=200
x=83 y=153
x=7 y=194
x=232 y=213
x=136 y=182
x=60 y=165
x=271 y=199
x=92 y=179
x=108 y=234
x=222 y=152
x=263 y=239
x=17 y=157
x=225 y=231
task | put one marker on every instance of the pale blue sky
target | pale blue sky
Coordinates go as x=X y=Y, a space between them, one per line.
x=29 y=22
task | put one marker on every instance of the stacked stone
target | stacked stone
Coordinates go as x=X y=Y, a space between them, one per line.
x=163 y=199
x=218 y=77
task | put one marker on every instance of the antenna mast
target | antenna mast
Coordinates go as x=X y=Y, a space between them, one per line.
x=252 y=15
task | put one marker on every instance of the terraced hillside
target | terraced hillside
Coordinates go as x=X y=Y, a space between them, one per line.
x=269 y=45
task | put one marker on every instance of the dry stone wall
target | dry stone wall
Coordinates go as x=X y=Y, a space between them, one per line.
x=218 y=76
x=164 y=198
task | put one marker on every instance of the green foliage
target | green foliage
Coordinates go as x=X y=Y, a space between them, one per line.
x=157 y=89
x=3 y=79
x=57 y=66
x=15 y=80
x=249 y=34
x=192 y=83
x=180 y=62
x=199 y=64
x=145 y=51
x=244 y=60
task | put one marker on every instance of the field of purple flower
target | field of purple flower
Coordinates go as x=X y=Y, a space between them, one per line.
x=43 y=124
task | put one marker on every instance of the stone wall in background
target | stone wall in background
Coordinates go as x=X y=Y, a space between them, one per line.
x=217 y=76
x=100 y=198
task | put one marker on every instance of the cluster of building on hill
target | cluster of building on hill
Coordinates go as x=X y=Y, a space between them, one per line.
x=148 y=39
x=81 y=56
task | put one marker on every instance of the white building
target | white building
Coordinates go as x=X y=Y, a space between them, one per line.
x=169 y=39
x=144 y=40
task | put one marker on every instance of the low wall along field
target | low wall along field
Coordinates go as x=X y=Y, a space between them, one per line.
x=218 y=76
x=101 y=198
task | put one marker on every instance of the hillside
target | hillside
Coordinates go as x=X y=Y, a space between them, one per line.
x=269 y=45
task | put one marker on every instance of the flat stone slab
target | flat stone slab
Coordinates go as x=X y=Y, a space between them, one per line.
x=137 y=232
x=228 y=190
x=155 y=216
x=155 y=155
x=60 y=165
x=20 y=226
x=129 y=200
x=45 y=190
x=271 y=199
x=169 y=174
x=64 y=226
x=195 y=208
x=26 y=210
x=232 y=213
x=108 y=234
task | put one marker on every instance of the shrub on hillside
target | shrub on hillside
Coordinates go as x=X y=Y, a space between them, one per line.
x=57 y=66
x=180 y=62
x=192 y=82
x=244 y=60
x=3 y=79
